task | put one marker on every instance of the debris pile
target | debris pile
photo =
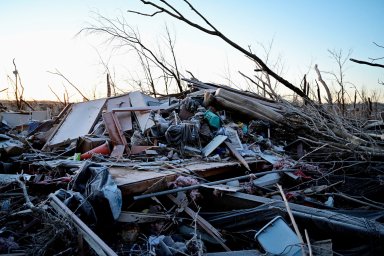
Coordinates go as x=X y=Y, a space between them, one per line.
x=212 y=171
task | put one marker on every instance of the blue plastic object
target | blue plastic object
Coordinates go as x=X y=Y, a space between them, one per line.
x=278 y=238
x=213 y=119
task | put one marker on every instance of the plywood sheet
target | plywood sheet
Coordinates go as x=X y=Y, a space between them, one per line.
x=135 y=181
x=79 y=122
x=124 y=176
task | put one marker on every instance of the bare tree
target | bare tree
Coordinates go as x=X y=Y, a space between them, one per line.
x=320 y=78
x=112 y=88
x=118 y=30
x=57 y=97
x=263 y=77
x=145 y=65
x=58 y=73
x=171 y=45
x=18 y=86
x=210 y=29
x=340 y=59
x=373 y=60
x=367 y=63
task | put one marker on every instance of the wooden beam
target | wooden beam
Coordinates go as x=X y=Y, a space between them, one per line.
x=237 y=155
x=202 y=223
x=98 y=245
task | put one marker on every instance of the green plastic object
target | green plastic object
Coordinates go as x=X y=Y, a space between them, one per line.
x=213 y=119
x=76 y=156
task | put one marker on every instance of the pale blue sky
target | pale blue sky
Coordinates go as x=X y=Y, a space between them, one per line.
x=40 y=35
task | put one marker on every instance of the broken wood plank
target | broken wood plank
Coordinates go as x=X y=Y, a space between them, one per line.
x=139 y=217
x=131 y=180
x=121 y=102
x=208 y=149
x=98 y=245
x=115 y=133
x=171 y=191
x=202 y=223
x=235 y=107
x=112 y=129
x=237 y=155
x=121 y=134
x=332 y=220
x=251 y=104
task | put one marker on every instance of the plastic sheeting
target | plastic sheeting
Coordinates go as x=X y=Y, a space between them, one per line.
x=97 y=185
x=78 y=204
x=182 y=134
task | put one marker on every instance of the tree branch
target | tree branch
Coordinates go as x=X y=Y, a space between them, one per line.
x=378 y=45
x=58 y=73
x=324 y=85
x=367 y=63
x=145 y=14
x=57 y=97
x=217 y=33
x=119 y=30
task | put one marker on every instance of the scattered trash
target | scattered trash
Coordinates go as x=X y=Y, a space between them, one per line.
x=194 y=175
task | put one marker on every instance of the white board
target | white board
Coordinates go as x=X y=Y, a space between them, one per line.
x=79 y=122
x=211 y=146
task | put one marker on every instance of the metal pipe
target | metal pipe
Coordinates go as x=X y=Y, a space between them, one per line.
x=165 y=192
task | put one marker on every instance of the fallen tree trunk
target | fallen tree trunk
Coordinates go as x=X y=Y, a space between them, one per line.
x=239 y=108
x=250 y=105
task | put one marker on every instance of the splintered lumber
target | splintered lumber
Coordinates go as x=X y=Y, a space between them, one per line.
x=115 y=133
x=140 y=217
x=125 y=118
x=171 y=191
x=208 y=149
x=211 y=86
x=202 y=222
x=253 y=105
x=237 y=155
x=332 y=220
x=132 y=181
x=98 y=245
x=292 y=218
x=239 y=108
